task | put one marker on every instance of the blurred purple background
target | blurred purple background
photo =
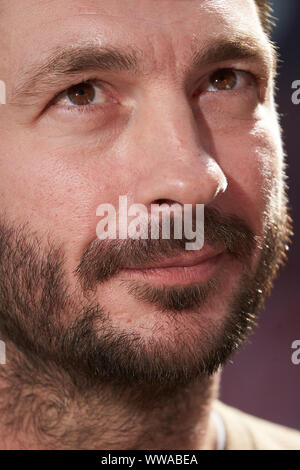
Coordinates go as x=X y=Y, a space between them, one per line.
x=261 y=379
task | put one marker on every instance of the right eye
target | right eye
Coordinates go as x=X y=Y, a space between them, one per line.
x=82 y=94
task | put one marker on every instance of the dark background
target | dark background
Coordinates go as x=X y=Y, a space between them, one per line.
x=261 y=378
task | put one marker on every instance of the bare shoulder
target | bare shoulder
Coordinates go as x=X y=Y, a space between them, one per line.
x=244 y=431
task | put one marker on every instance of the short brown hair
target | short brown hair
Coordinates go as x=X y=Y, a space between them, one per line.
x=265 y=14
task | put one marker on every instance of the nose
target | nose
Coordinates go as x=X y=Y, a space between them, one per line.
x=173 y=163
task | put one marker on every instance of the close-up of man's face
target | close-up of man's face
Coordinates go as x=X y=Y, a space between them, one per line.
x=163 y=101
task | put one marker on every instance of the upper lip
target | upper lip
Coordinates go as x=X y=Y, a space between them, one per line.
x=187 y=259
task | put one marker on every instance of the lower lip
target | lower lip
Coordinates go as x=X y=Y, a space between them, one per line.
x=180 y=275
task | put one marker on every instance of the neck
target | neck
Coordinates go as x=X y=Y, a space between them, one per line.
x=41 y=407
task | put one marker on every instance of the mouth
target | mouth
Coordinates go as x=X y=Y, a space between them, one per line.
x=188 y=268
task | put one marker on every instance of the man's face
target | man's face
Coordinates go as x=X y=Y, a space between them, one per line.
x=176 y=105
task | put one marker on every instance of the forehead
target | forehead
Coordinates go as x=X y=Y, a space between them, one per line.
x=167 y=26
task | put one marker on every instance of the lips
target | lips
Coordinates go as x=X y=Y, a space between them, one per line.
x=187 y=259
x=181 y=270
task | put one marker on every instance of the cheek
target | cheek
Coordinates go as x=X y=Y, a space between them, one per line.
x=58 y=190
x=244 y=138
x=250 y=155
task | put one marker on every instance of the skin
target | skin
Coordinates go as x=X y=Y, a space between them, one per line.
x=221 y=149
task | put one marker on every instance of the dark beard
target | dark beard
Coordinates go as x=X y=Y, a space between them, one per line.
x=34 y=295
x=56 y=370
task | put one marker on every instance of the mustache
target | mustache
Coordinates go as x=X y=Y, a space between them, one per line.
x=105 y=258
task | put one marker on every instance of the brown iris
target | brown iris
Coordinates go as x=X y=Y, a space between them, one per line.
x=81 y=94
x=223 y=79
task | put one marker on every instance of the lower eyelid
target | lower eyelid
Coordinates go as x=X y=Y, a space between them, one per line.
x=101 y=112
x=87 y=108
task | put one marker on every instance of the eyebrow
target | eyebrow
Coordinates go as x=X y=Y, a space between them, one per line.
x=239 y=47
x=71 y=61
x=77 y=59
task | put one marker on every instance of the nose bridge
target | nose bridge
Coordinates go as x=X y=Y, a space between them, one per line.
x=170 y=119
x=175 y=164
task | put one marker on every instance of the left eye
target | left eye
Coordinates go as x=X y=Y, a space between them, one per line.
x=226 y=79
x=83 y=94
